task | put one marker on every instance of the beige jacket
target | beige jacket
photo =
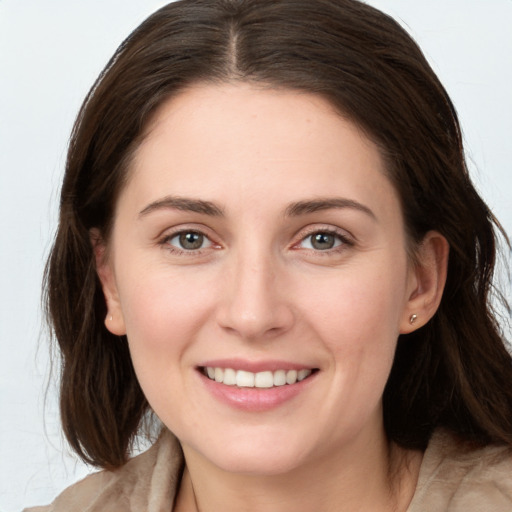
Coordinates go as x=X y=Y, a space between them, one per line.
x=453 y=478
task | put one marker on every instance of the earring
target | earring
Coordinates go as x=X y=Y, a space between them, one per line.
x=412 y=319
x=110 y=318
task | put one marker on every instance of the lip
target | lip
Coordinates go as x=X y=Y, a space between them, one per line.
x=255 y=399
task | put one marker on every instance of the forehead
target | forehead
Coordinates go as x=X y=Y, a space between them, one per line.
x=227 y=141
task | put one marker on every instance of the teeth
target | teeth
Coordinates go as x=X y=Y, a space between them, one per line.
x=229 y=377
x=291 y=376
x=266 y=379
x=219 y=375
x=301 y=374
x=279 y=378
x=244 y=379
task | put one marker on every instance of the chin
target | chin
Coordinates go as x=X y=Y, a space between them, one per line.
x=261 y=464
x=259 y=457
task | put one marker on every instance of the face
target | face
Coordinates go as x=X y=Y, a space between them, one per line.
x=258 y=266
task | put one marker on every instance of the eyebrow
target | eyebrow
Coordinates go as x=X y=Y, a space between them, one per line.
x=315 y=205
x=183 y=204
x=292 y=210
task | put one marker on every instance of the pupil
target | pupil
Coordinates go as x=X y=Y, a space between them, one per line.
x=322 y=241
x=191 y=241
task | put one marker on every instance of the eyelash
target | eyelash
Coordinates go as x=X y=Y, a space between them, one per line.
x=345 y=241
x=342 y=238
x=165 y=242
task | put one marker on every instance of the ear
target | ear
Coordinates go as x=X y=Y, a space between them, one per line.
x=426 y=282
x=114 y=320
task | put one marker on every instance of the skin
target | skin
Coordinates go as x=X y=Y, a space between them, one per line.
x=259 y=290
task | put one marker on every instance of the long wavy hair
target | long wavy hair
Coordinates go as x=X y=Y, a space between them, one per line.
x=454 y=372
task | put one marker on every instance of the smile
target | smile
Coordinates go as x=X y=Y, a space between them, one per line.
x=265 y=379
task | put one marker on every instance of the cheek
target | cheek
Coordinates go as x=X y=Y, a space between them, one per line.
x=358 y=319
x=364 y=307
x=163 y=316
x=163 y=313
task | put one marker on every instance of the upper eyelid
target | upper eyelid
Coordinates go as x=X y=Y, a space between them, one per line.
x=170 y=236
x=182 y=250
x=164 y=238
x=172 y=231
x=319 y=228
x=301 y=234
x=164 y=242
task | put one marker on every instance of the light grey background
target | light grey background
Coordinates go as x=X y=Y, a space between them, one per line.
x=50 y=53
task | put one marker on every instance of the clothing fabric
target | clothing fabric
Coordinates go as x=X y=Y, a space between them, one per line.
x=453 y=478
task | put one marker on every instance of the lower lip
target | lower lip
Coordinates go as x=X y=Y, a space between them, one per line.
x=255 y=399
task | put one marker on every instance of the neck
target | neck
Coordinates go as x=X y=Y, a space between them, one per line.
x=376 y=477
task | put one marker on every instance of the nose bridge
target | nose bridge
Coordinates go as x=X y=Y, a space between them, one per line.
x=254 y=301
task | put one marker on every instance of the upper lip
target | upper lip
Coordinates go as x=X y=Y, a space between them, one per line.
x=255 y=366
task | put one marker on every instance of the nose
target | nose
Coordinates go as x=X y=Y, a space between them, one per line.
x=255 y=304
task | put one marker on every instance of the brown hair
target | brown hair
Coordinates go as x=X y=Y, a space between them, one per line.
x=453 y=372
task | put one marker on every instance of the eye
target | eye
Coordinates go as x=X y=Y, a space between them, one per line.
x=189 y=241
x=322 y=241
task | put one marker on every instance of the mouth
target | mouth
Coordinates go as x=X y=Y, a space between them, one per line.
x=262 y=380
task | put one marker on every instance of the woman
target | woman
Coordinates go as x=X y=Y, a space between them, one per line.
x=268 y=237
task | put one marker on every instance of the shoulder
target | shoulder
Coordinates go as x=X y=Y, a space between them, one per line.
x=151 y=477
x=456 y=477
x=83 y=492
